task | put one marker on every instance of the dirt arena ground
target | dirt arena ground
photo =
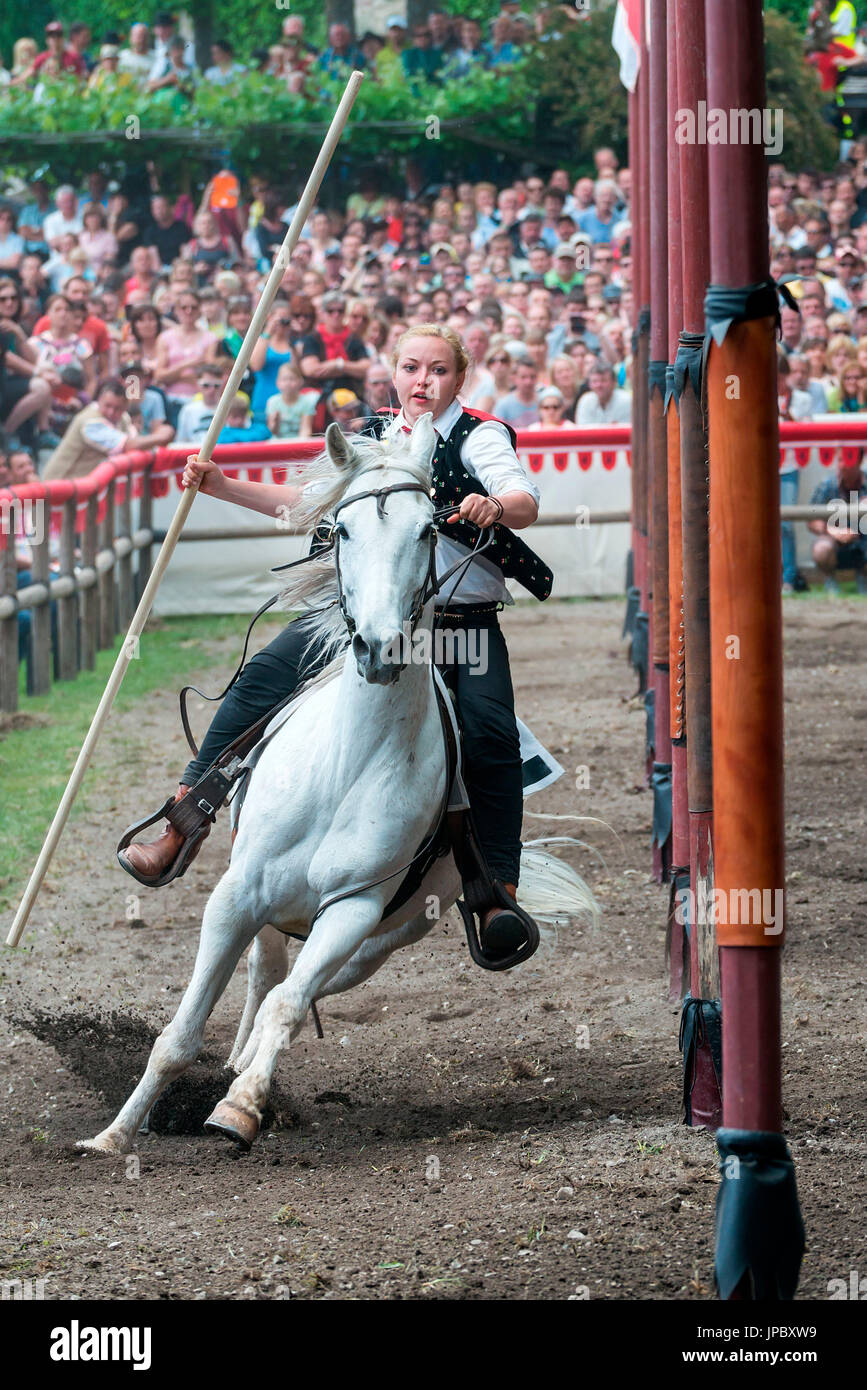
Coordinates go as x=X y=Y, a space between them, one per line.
x=448 y=1138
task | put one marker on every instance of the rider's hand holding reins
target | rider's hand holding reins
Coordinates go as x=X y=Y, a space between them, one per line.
x=515 y=510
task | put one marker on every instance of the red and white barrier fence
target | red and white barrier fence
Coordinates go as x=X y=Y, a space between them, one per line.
x=81 y=540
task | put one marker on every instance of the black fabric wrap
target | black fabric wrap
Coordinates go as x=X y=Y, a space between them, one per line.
x=644 y=320
x=656 y=377
x=633 y=600
x=670 y=393
x=635 y=342
x=700 y=1026
x=759 y=1227
x=640 y=649
x=650 y=726
x=688 y=362
x=724 y=306
x=660 y=782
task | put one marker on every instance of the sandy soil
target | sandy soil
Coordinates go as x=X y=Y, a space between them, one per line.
x=448 y=1138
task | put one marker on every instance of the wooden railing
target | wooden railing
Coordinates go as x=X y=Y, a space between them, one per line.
x=91 y=539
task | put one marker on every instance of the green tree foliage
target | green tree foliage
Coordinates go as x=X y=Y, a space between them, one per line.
x=793 y=87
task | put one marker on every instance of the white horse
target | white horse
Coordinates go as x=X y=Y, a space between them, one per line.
x=342 y=796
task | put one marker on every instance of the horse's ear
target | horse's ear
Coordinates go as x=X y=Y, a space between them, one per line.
x=424 y=438
x=339 y=449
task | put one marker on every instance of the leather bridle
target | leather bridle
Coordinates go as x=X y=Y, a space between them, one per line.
x=430 y=585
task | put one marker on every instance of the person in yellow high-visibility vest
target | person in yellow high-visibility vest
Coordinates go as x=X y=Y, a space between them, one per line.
x=844 y=23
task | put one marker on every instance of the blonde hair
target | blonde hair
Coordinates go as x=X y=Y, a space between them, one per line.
x=23 y=53
x=435 y=330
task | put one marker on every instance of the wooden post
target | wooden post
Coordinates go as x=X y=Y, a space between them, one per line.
x=89 y=597
x=9 y=623
x=702 y=1093
x=657 y=429
x=40 y=614
x=106 y=582
x=759 y=1228
x=145 y=521
x=125 y=595
x=67 y=607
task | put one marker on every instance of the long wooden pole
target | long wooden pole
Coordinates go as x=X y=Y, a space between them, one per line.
x=140 y=617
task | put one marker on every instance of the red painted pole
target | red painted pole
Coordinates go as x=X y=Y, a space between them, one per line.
x=702 y=1084
x=676 y=934
x=657 y=429
x=759 y=1229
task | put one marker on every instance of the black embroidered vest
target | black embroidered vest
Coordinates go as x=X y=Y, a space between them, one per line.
x=452 y=483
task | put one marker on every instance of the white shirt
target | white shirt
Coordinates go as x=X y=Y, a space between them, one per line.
x=618 y=411
x=486 y=454
x=56 y=225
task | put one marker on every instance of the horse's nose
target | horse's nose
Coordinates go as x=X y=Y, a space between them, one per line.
x=379 y=662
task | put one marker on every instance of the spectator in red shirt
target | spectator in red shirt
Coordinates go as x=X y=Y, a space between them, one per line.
x=94 y=330
x=69 y=59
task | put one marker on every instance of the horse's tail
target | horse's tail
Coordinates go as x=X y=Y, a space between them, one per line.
x=551 y=890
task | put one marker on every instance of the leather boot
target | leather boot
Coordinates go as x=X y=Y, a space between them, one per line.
x=501 y=930
x=153 y=859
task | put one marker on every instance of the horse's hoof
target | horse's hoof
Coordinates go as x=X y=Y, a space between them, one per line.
x=102 y=1144
x=235 y=1123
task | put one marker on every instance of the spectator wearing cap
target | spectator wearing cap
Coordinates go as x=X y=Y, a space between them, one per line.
x=564 y=275
x=137 y=60
x=172 y=68
x=388 y=59
x=424 y=60
x=552 y=411
x=604 y=403
x=105 y=73
x=341 y=55
x=56 y=54
x=346 y=409
x=165 y=34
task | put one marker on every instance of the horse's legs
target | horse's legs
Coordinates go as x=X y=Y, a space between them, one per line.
x=374 y=952
x=370 y=955
x=227 y=929
x=266 y=967
x=335 y=938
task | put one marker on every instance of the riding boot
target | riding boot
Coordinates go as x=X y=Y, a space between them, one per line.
x=149 y=862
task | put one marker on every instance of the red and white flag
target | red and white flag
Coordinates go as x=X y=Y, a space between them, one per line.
x=627 y=40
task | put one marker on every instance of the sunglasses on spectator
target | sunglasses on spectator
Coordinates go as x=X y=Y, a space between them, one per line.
x=500 y=361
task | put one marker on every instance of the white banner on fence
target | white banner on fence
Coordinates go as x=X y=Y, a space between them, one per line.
x=233 y=576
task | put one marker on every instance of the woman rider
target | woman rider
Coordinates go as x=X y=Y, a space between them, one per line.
x=475 y=468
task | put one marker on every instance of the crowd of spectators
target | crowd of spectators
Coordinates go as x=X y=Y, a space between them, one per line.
x=152 y=57
x=120 y=316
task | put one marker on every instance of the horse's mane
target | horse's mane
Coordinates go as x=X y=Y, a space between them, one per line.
x=312 y=587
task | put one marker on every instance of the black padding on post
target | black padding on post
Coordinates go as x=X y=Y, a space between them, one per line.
x=759 y=1227
x=724 y=306
x=660 y=782
x=688 y=363
x=640 y=648
x=656 y=377
x=700 y=1026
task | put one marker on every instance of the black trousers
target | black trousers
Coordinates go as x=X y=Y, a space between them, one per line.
x=485 y=705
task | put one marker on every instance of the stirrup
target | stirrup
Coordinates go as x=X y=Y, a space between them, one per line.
x=192 y=817
x=182 y=859
x=490 y=960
